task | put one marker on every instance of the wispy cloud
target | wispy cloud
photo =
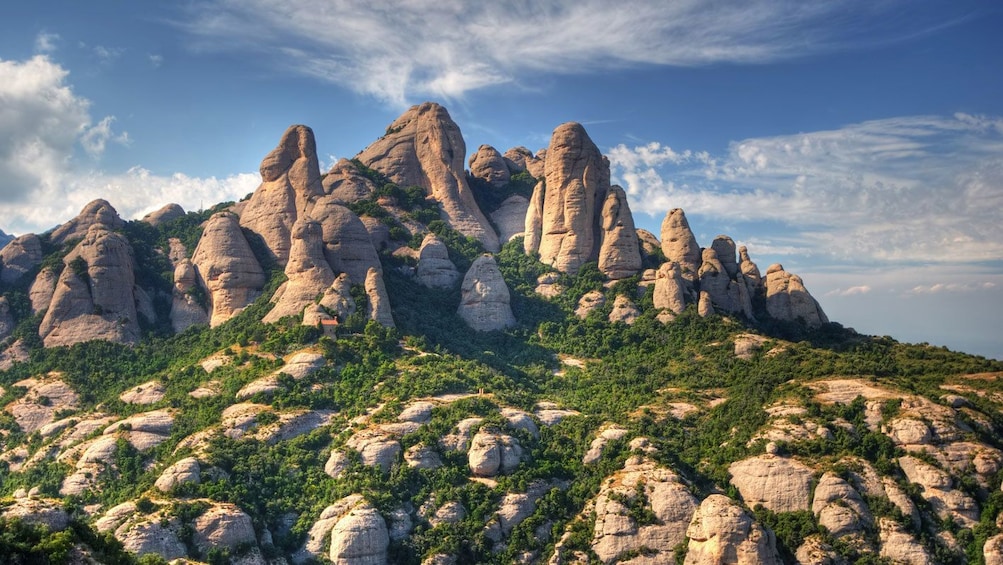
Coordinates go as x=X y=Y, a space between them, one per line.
x=399 y=50
x=45 y=42
x=916 y=188
x=850 y=291
x=951 y=287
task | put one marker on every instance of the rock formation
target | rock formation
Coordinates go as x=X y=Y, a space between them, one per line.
x=307 y=271
x=338 y=297
x=839 y=507
x=679 y=244
x=344 y=183
x=95 y=296
x=787 y=299
x=650 y=245
x=492 y=453
x=724 y=247
x=96 y=212
x=484 y=302
x=424 y=147
x=6 y=319
x=577 y=181
x=163 y=215
x=619 y=253
x=290 y=182
x=722 y=532
x=42 y=289
x=778 y=483
x=360 y=537
x=348 y=246
x=435 y=270
x=520 y=159
x=379 y=303
x=624 y=310
x=589 y=302
x=186 y=310
x=725 y=293
x=510 y=217
x=488 y=165
x=226 y=268
x=18 y=257
x=750 y=271
x=670 y=288
x=533 y=226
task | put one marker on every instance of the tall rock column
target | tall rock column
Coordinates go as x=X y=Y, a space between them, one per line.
x=577 y=181
x=227 y=268
x=680 y=245
x=290 y=181
x=484 y=297
x=308 y=273
x=424 y=147
x=619 y=252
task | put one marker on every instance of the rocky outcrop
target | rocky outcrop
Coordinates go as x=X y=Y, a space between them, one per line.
x=150 y=392
x=42 y=289
x=749 y=271
x=619 y=253
x=48 y=514
x=424 y=147
x=290 y=182
x=938 y=489
x=680 y=245
x=484 y=300
x=307 y=270
x=898 y=546
x=778 y=483
x=378 y=308
x=360 y=537
x=577 y=182
x=722 y=532
x=839 y=507
x=670 y=288
x=18 y=257
x=492 y=453
x=510 y=217
x=186 y=309
x=488 y=165
x=724 y=248
x=226 y=267
x=223 y=525
x=182 y=472
x=658 y=491
x=6 y=319
x=589 y=302
x=96 y=212
x=95 y=296
x=650 y=245
x=520 y=159
x=787 y=299
x=163 y=215
x=435 y=270
x=624 y=310
x=533 y=226
x=348 y=246
x=344 y=183
x=338 y=297
x=31 y=412
x=725 y=294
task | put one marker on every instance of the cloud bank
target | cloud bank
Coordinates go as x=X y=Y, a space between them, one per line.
x=49 y=150
x=400 y=51
x=917 y=188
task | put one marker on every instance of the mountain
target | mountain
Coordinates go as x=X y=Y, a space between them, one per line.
x=401 y=361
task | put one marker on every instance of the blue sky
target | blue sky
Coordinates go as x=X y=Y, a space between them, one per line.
x=859 y=143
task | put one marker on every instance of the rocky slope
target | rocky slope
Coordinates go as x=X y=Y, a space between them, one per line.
x=292 y=395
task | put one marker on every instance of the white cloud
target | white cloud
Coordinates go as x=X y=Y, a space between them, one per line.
x=155 y=60
x=951 y=287
x=915 y=188
x=44 y=179
x=853 y=290
x=45 y=42
x=399 y=50
x=108 y=54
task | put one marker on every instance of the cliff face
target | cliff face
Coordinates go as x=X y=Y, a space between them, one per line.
x=226 y=267
x=424 y=147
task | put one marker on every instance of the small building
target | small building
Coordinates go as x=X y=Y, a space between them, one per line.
x=330 y=328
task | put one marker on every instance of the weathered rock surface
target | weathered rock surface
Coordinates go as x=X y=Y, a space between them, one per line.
x=338 y=297
x=163 y=215
x=492 y=453
x=95 y=296
x=724 y=248
x=778 y=483
x=376 y=448
x=184 y=471
x=484 y=297
x=938 y=489
x=227 y=268
x=619 y=252
x=424 y=147
x=670 y=288
x=147 y=393
x=6 y=319
x=510 y=217
x=344 y=183
x=96 y=212
x=899 y=546
x=21 y=255
x=290 y=181
x=520 y=159
x=722 y=532
x=787 y=298
x=624 y=310
x=42 y=289
x=422 y=457
x=348 y=246
x=839 y=507
x=307 y=270
x=725 y=294
x=680 y=245
x=533 y=226
x=516 y=507
x=650 y=246
x=223 y=525
x=656 y=489
x=360 y=537
x=435 y=270
x=608 y=434
x=749 y=271
x=378 y=308
x=186 y=311
x=488 y=165
x=38 y=512
x=577 y=182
